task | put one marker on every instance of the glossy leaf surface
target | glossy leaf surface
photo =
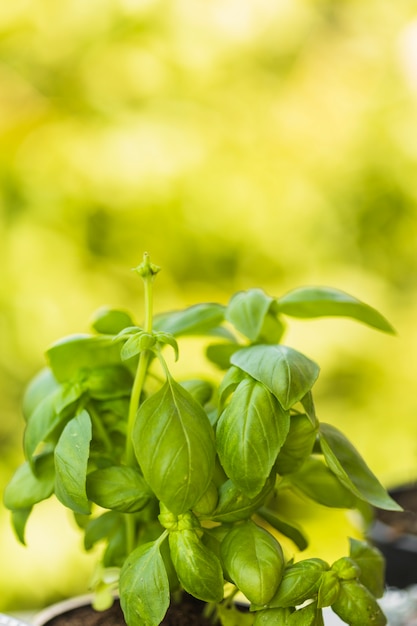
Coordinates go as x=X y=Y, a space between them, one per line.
x=119 y=488
x=249 y=435
x=288 y=374
x=298 y=444
x=144 y=587
x=198 y=568
x=309 y=615
x=174 y=445
x=254 y=561
x=71 y=458
x=300 y=583
x=357 y=606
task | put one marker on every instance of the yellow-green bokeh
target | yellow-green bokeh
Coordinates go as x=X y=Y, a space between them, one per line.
x=242 y=143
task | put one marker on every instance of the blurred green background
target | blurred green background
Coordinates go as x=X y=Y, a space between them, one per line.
x=243 y=143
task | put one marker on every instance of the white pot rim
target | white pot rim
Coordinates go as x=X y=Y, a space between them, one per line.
x=58 y=608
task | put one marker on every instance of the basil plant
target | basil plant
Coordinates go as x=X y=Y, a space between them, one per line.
x=180 y=479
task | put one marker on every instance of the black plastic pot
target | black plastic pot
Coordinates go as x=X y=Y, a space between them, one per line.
x=395 y=534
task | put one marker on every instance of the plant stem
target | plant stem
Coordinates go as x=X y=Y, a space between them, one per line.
x=134 y=404
x=147 y=272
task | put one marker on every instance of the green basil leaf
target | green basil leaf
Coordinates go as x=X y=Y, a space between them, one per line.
x=300 y=583
x=44 y=384
x=346 y=568
x=356 y=605
x=231 y=379
x=288 y=374
x=272 y=617
x=247 y=311
x=131 y=347
x=352 y=471
x=221 y=353
x=285 y=527
x=208 y=502
x=308 y=406
x=198 y=568
x=110 y=321
x=329 y=589
x=200 y=319
x=19 y=518
x=249 y=435
x=174 y=445
x=254 y=561
x=272 y=329
x=42 y=421
x=315 y=480
x=201 y=390
x=371 y=564
x=109 y=382
x=28 y=486
x=71 y=458
x=298 y=445
x=102 y=527
x=71 y=354
x=309 y=615
x=119 y=488
x=144 y=587
x=115 y=553
x=233 y=505
x=50 y=416
x=325 y=301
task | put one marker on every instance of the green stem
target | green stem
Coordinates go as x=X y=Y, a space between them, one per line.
x=147 y=271
x=134 y=404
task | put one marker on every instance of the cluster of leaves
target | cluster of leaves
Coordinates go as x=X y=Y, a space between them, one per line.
x=180 y=479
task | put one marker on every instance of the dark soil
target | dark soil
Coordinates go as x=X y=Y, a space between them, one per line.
x=188 y=613
x=402 y=521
